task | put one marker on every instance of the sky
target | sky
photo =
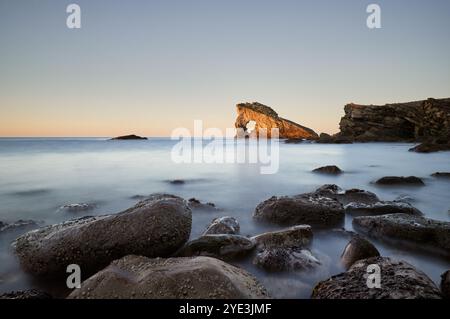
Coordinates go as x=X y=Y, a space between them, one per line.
x=148 y=67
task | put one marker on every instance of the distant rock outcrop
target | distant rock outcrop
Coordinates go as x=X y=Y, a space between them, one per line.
x=129 y=137
x=420 y=121
x=264 y=117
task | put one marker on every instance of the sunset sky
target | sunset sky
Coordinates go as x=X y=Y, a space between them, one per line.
x=147 y=67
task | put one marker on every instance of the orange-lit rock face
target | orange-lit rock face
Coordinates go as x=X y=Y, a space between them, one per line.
x=266 y=118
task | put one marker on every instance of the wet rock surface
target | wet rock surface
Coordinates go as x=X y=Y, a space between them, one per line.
x=358 y=248
x=310 y=209
x=400 y=180
x=157 y=226
x=381 y=208
x=197 y=204
x=347 y=196
x=20 y=225
x=77 y=208
x=26 y=294
x=400 y=280
x=222 y=246
x=410 y=228
x=296 y=236
x=331 y=170
x=223 y=225
x=135 y=277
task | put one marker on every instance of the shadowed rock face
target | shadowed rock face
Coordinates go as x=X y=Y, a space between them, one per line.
x=413 y=121
x=266 y=118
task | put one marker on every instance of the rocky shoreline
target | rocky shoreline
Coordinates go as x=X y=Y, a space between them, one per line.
x=145 y=251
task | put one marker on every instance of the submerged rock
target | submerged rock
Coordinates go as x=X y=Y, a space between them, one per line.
x=332 y=169
x=399 y=280
x=285 y=249
x=194 y=203
x=285 y=259
x=223 y=225
x=26 y=294
x=445 y=284
x=400 y=180
x=157 y=226
x=381 y=208
x=135 y=277
x=219 y=246
x=129 y=137
x=310 y=209
x=347 y=196
x=358 y=248
x=77 y=208
x=441 y=175
x=411 y=228
x=266 y=118
x=22 y=225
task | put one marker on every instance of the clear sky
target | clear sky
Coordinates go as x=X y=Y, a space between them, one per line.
x=147 y=67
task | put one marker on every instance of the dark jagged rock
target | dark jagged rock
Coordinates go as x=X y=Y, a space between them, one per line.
x=381 y=208
x=358 y=248
x=266 y=118
x=223 y=225
x=26 y=294
x=400 y=180
x=221 y=246
x=155 y=227
x=309 y=209
x=412 y=121
x=332 y=169
x=129 y=137
x=399 y=280
x=416 y=229
x=136 y=277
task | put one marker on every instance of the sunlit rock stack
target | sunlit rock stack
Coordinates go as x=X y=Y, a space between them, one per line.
x=264 y=117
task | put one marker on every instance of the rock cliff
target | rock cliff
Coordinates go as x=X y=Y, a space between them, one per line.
x=412 y=121
x=255 y=116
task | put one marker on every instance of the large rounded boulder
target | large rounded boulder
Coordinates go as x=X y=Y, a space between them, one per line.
x=136 y=277
x=310 y=209
x=155 y=227
x=398 y=280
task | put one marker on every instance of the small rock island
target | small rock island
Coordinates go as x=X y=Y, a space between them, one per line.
x=128 y=137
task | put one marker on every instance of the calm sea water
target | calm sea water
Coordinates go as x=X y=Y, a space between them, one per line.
x=37 y=176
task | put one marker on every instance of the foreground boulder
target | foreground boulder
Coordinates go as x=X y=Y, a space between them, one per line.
x=266 y=118
x=358 y=248
x=26 y=294
x=331 y=169
x=309 y=209
x=381 y=208
x=400 y=180
x=136 y=277
x=223 y=246
x=399 y=280
x=411 y=228
x=157 y=226
x=223 y=225
x=445 y=284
